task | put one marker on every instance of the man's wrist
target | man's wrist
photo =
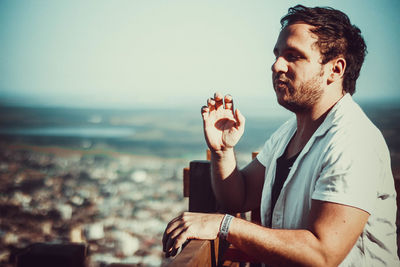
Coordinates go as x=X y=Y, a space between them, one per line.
x=224 y=227
x=223 y=153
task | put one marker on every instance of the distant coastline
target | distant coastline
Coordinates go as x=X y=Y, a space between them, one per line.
x=147 y=132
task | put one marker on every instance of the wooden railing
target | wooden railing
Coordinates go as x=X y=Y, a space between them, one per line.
x=197 y=187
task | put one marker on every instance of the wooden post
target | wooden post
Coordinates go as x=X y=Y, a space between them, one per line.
x=186 y=181
x=201 y=196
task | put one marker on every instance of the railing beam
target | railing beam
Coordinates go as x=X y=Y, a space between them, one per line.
x=197 y=253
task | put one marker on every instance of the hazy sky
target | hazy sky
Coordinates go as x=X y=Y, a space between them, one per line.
x=168 y=53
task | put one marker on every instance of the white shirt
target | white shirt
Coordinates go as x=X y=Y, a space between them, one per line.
x=346 y=161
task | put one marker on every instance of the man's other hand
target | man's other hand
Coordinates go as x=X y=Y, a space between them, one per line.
x=223 y=126
x=190 y=225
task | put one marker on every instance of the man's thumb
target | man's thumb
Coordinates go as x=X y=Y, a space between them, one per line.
x=240 y=120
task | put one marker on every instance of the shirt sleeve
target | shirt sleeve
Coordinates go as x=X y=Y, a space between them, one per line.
x=350 y=174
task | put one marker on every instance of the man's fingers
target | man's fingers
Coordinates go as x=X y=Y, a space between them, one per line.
x=177 y=244
x=176 y=239
x=217 y=96
x=228 y=102
x=204 y=112
x=172 y=239
x=229 y=106
x=240 y=120
x=218 y=100
x=179 y=241
x=172 y=225
x=211 y=104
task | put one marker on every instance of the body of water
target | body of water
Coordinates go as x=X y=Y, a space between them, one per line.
x=84 y=132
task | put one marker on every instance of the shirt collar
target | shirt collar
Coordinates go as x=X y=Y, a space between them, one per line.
x=337 y=111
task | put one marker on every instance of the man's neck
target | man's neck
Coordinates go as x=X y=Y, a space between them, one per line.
x=309 y=121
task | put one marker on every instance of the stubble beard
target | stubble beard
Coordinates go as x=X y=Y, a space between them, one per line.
x=303 y=98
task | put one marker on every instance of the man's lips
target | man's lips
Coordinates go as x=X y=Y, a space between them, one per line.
x=280 y=83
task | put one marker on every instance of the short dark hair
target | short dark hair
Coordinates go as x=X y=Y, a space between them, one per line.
x=336 y=37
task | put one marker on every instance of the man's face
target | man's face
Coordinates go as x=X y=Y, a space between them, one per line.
x=297 y=73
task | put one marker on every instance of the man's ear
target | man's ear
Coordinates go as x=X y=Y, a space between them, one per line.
x=338 y=66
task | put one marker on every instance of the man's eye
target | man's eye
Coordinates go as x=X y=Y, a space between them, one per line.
x=292 y=57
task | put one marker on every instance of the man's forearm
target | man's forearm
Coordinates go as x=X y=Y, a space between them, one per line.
x=277 y=247
x=227 y=181
x=331 y=234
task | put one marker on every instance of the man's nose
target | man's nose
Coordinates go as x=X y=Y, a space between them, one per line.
x=279 y=65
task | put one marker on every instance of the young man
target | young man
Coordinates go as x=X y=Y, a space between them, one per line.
x=323 y=179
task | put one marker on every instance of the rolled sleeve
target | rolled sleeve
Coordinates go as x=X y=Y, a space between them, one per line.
x=349 y=177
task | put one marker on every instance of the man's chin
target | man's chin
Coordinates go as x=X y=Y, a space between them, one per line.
x=292 y=106
x=282 y=98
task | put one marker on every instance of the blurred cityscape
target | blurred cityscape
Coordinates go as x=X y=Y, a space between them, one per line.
x=111 y=179
x=118 y=204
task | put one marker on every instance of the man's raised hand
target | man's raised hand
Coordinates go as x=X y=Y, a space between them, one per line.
x=223 y=126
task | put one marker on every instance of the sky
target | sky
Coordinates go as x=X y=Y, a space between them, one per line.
x=169 y=54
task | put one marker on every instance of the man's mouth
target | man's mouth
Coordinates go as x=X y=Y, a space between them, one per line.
x=280 y=84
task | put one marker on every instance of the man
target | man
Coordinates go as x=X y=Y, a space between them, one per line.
x=323 y=179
